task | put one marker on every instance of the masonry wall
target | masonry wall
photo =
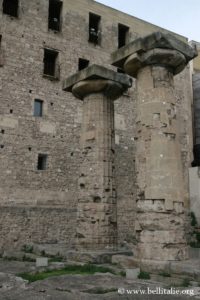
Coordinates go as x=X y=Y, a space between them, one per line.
x=33 y=225
x=57 y=132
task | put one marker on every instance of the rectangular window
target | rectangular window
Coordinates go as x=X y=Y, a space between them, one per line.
x=55 y=8
x=38 y=108
x=42 y=162
x=123 y=32
x=82 y=63
x=94 y=28
x=10 y=7
x=51 y=63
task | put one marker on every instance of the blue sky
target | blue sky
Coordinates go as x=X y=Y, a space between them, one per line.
x=180 y=16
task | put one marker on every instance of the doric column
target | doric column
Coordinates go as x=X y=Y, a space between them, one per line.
x=98 y=87
x=154 y=60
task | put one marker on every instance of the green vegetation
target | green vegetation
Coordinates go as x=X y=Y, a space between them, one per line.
x=197 y=236
x=122 y=273
x=186 y=282
x=27 y=248
x=144 y=275
x=56 y=259
x=100 y=290
x=43 y=253
x=195 y=244
x=193 y=219
x=71 y=269
x=165 y=274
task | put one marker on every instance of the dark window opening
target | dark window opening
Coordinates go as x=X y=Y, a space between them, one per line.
x=10 y=7
x=42 y=162
x=196 y=153
x=55 y=7
x=50 y=59
x=94 y=28
x=119 y=70
x=38 y=108
x=82 y=63
x=11 y=111
x=2 y=131
x=123 y=32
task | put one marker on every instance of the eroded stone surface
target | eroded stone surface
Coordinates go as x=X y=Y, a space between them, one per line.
x=151 y=42
x=158 y=163
x=104 y=76
x=97 y=216
x=29 y=198
x=97 y=208
x=154 y=60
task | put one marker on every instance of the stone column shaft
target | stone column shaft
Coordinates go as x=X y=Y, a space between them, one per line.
x=160 y=189
x=154 y=60
x=97 y=208
x=97 y=215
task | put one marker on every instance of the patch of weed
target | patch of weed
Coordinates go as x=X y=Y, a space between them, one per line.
x=27 y=248
x=144 y=275
x=186 y=282
x=165 y=274
x=71 y=269
x=100 y=290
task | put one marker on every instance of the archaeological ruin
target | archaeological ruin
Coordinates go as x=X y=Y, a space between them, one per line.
x=99 y=133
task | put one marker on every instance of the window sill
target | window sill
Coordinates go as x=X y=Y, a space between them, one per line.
x=52 y=78
x=11 y=17
x=55 y=31
x=94 y=44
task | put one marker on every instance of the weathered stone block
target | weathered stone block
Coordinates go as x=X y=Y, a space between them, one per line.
x=132 y=274
x=95 y=72
x=42 y=262
x=153 y=41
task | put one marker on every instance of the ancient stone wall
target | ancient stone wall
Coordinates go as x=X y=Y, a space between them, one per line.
x=36 y=225
x=57 y=132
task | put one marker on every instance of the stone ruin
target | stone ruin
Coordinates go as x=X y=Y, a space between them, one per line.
x=161 y=201
x=98 y=162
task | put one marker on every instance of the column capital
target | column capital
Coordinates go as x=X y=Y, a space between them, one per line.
x=97 y=79
x=155 y=49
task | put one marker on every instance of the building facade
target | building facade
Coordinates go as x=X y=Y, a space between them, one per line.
x=42 y=43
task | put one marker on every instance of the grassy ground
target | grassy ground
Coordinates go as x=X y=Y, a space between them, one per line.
x=72 y=269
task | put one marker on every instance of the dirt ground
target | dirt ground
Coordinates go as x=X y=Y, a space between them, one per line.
x=85 y=287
